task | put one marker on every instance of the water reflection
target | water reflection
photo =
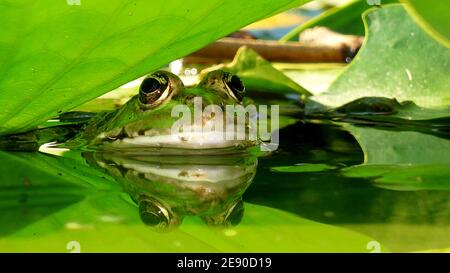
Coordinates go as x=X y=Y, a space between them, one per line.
x=43 y=194
x=168 y=188
x=402 y=216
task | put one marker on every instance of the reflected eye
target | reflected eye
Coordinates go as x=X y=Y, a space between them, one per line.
x=154 y=89
x=235 y=86
x=152 y=214
x=155 y=215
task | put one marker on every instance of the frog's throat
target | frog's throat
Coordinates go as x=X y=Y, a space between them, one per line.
x=190 y=140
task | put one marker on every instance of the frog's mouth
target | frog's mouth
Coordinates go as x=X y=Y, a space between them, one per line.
x=194 y=141
x=190 y=140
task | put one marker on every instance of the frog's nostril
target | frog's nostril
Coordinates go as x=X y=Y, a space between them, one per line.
x=149 y=85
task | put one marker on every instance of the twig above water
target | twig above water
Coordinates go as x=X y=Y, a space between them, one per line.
x=275 y=51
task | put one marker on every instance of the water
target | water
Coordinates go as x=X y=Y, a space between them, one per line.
x=402 y=220
x=89 y=202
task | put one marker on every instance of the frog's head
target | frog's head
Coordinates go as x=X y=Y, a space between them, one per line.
x=146 y=121
x=168 y=188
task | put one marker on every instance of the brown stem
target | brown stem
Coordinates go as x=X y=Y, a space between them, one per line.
x=290 y=52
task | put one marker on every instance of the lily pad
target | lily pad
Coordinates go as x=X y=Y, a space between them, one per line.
x=55 y=56
x=432 y=15
x=382 y=146
x=303 y=168
x=405 y=176
x=34 y=186
x=100 y=230
x=402 y=160
x=259 y=74
x=398 y=60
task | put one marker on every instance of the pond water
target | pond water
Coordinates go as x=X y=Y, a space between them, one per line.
x=312 y=194
x=402 y=218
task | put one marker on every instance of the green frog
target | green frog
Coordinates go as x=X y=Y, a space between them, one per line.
x=167 y=188
x=145 y=123
x=136 y=144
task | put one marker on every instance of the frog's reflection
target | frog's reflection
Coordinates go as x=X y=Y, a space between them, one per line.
x=167 y=188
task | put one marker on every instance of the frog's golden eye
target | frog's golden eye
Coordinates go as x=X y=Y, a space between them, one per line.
x=158 y=87
x=235 y=86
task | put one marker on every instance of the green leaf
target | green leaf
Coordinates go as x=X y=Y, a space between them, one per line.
x=258 y=74
x=404 y=176
x=402 y=160
x=432 y=15
x=314 y=77
x=398 y=60
x=303 y=168
x=100 y=230
x=34 y=186
x=54 y=56
x=400 y=147
x=343 y=19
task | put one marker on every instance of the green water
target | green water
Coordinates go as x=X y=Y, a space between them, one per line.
x=403 y=220
x=48 y=201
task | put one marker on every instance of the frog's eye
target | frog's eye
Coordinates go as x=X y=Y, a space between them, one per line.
x=158 y=87
x=155 y=215
x=235 y=86
x=153 y=89
x=225 y=82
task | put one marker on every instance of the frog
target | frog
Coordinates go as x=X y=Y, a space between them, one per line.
x=144 y=123
x=168 y=188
